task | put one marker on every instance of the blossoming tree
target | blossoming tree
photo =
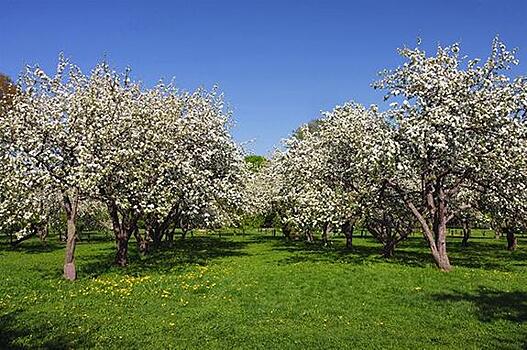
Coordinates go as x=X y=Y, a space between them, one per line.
x=459 y=126
x=157 y=153
x=328 y=172
x=48 y=132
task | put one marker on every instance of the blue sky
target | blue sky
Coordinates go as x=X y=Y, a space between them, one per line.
x=279 y=63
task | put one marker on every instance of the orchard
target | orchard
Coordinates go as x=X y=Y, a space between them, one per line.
x=351 y=211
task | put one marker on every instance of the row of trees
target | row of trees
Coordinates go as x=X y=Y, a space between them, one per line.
x=153 y=155
x=451 y=146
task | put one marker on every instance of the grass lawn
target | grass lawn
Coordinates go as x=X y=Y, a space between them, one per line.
x=261 y=292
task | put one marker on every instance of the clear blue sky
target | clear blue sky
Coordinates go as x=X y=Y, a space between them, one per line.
x=278 y=62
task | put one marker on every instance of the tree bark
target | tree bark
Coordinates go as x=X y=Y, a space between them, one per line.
x=142 y=242
x=512 y=241
x=325 y=233
x=347 y=230
x=157 y=237
x=309 y=237
x=388 y=234
x=70 y=206
x=442 y=260
x=388 y=249
x=158 y=227
x=170 y=238
x=121 y=258
x=154 y=231
x=435 y=236
x=286 y=231
x=21 y=239
x=466 y=233
x=123 y=229
x=42 y=231
x=497 y=233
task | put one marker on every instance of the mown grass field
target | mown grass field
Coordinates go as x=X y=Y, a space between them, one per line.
x=261 y=292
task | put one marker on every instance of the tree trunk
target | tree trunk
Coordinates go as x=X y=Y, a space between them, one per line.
x=512 y=241
x=439 y=251
x=286 y=231
x=497 y=233
x=121 y=258
x=157 y=238
x=436 y=199
x=21 y=239
x=123 y=229
x=42 y=231
x=170 y=238
x=347 y=230
x=389 y=249
x=142 y=242
x=466 y=233
x=435 y=236
x=441 y=257
x=325 y=233
x=70 y=206
x=162 y=229
x=440 y=231
x=154 y=231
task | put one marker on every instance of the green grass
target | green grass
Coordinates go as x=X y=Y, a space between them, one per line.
x=260 y=292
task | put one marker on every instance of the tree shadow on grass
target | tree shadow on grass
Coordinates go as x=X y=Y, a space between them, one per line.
x=15 y=334
x=492 y=305
x=190 y=251
x=487 y=254
x=32 y=246
x=483 y=253
x=365 y=251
